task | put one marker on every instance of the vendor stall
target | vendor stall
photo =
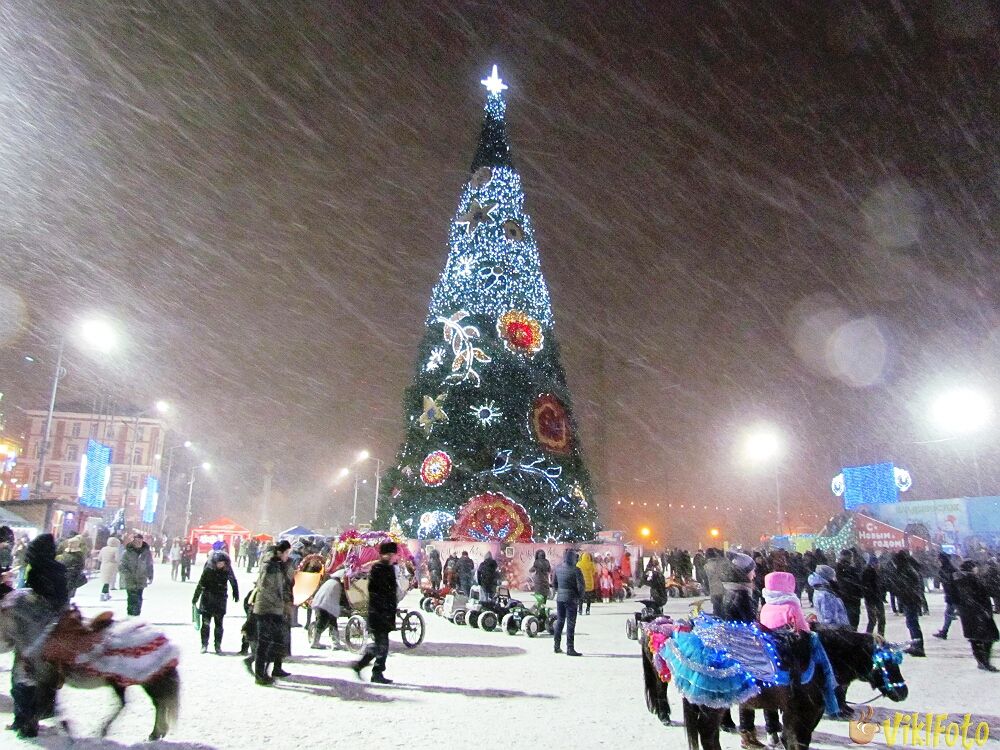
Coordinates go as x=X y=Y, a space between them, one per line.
x=222 y=529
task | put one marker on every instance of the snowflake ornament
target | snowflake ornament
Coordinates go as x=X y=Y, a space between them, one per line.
x=466 y=265
x=436 y=359
x=487 y=413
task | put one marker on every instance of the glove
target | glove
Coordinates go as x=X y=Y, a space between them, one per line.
x=194 y=602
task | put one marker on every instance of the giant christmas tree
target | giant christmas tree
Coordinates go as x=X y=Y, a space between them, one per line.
x=491 y=448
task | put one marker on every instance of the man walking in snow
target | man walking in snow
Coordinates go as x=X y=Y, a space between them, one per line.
x=569 y=593
x=381 y=613
x=135 y=572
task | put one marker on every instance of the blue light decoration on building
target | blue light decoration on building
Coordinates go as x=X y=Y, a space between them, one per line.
x=875 y=484
x=95 y=474
x=149 y=498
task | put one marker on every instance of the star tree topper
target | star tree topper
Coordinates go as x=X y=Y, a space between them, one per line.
x=494 y=84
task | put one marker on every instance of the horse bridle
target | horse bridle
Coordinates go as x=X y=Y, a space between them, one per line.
x=881 y=658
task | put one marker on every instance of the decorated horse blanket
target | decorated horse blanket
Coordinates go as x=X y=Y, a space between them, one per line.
x=717 y=663
x=125 y=653
x=653 y=635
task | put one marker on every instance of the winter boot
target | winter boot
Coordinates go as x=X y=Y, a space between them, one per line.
x=941 y=634
x=748 y=739
x=335 y=637
x=315 y=640
x=204 y=648
x=981 y=650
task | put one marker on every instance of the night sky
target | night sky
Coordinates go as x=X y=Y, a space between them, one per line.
x=746 y=211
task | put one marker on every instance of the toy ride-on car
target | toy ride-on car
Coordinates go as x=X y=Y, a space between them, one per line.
x=454 y=607
x=433 y=598
x=487 y=613
x=678 y=588
x=649 y=612
x=530 y=620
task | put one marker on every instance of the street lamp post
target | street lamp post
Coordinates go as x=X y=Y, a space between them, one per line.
x=97 y=334
x=162 y=407
x=43 y=449
x=166 y=484
x=187 y=518
x=353 y=468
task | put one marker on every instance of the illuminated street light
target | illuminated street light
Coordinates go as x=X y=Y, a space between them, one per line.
x=764 y=445
x=98 y=334
x=644 y=532
x=962 y=411
x=93 y=333
x=714 y=533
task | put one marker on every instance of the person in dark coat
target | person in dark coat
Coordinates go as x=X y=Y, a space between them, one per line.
x=450 y=575
x=908 y=584
x=657 y=584
x=946 y=575
x=541 y=574
x=434 y=569
x=738 y=605
x=569 y=593
x=849 y=586
x=75 y=560
x=6 y=548
x=975 y=610
x=990 y=576
x=382 y=605
x=874 y=594
x=187 y=560
x=272 y=601
x=210 y=597
x=135 y=572
x=46 y=576
x=488 y=576
x=466 y=570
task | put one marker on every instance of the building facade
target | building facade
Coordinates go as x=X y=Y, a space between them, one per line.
x=136 y=446
x=10 y=450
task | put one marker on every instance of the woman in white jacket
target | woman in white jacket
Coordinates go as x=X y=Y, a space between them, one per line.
x=108 y=559
x=326 y=609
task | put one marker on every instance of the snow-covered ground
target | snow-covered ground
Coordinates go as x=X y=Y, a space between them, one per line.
x=461 y=687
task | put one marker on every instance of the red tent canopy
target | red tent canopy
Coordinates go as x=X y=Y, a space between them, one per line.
x=221 y=529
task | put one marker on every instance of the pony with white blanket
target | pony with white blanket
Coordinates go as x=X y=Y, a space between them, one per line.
x=92 y=653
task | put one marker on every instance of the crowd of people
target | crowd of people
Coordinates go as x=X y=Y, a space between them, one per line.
x=841 y=587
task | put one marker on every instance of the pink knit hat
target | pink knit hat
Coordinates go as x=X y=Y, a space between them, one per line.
x=780 y=581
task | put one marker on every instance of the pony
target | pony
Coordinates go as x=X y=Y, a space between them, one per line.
x=854 y=656
x=63 y=647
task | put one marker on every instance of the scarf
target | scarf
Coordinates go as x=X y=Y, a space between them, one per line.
x=780 y=597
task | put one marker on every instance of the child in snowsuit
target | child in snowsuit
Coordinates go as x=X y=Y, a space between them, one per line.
x=783 y=608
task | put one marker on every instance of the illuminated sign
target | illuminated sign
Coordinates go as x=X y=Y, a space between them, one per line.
x=876 y=484
x=95 y=474
x=149 y=498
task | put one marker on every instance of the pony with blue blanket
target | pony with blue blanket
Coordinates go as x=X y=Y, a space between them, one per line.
x=715 y=664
